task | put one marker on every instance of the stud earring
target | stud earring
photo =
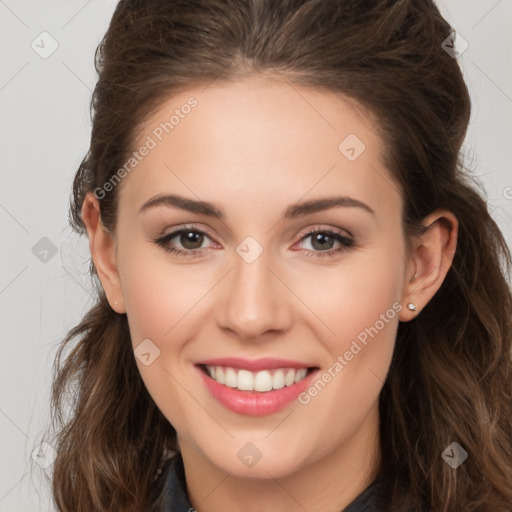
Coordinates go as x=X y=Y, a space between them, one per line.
x=412 y=307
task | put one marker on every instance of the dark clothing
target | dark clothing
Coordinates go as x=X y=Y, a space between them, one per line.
x=173 y=496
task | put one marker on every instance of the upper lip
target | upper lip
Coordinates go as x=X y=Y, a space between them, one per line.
x=265 y=363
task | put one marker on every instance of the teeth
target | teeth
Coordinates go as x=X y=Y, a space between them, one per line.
x=231 y=378
x=262 y=381
x=290 y=378
x=219 y=375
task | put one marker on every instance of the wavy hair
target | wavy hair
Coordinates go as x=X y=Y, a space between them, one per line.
x=451 y=374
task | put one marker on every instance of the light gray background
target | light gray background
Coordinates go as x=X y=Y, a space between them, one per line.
x=44 y=135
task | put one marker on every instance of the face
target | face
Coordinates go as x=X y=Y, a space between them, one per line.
x=255 y=287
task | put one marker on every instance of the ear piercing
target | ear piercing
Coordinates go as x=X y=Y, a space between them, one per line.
x=412 y=307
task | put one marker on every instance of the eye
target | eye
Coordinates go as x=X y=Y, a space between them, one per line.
x=192 y=239
x=323 y=239
x=189 y=237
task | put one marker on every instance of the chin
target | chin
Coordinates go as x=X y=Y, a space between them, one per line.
x=255 y=461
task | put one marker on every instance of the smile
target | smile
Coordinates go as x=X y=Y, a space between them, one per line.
x=261 y=381
x=255 y=387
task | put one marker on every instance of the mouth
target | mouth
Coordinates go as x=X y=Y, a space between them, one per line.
x=257 y=381
x=255 y=387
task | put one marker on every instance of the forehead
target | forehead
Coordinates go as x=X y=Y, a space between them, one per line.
x=259 y=138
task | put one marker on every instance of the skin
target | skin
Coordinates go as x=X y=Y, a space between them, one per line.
x=253 y=148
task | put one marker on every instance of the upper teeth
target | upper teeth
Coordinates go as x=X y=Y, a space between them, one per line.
x=265 y=380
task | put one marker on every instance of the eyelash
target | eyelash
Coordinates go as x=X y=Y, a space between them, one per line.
x=346 y=243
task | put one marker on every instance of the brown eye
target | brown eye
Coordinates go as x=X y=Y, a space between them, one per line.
x=189 y=238
x=322 y=242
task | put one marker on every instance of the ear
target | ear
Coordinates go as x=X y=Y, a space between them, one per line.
x=102 y=247
x=431 y=258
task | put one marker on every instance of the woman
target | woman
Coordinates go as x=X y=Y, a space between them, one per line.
x=303 y=301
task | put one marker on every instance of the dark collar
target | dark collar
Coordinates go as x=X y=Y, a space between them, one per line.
x=173 y=495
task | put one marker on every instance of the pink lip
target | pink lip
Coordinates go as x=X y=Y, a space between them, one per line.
x=255 y=365
x=255 y=403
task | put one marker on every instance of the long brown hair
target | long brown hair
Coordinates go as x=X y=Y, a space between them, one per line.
x=451 y=373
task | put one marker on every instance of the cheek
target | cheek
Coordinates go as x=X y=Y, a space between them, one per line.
x=149 y=306
x=359 y=299
x=367 y=310
x=157 y=301
x=361 y=310
x=157 y=297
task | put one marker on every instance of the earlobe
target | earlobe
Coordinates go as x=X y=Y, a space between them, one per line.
x=432 y=256
x=102 y=247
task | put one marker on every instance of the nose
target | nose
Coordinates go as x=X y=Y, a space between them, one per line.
x=254 y=301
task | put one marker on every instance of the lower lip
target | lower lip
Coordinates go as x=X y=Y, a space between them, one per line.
x=255 y=403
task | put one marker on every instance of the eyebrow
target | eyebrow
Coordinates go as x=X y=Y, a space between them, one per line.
x=292 y=212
